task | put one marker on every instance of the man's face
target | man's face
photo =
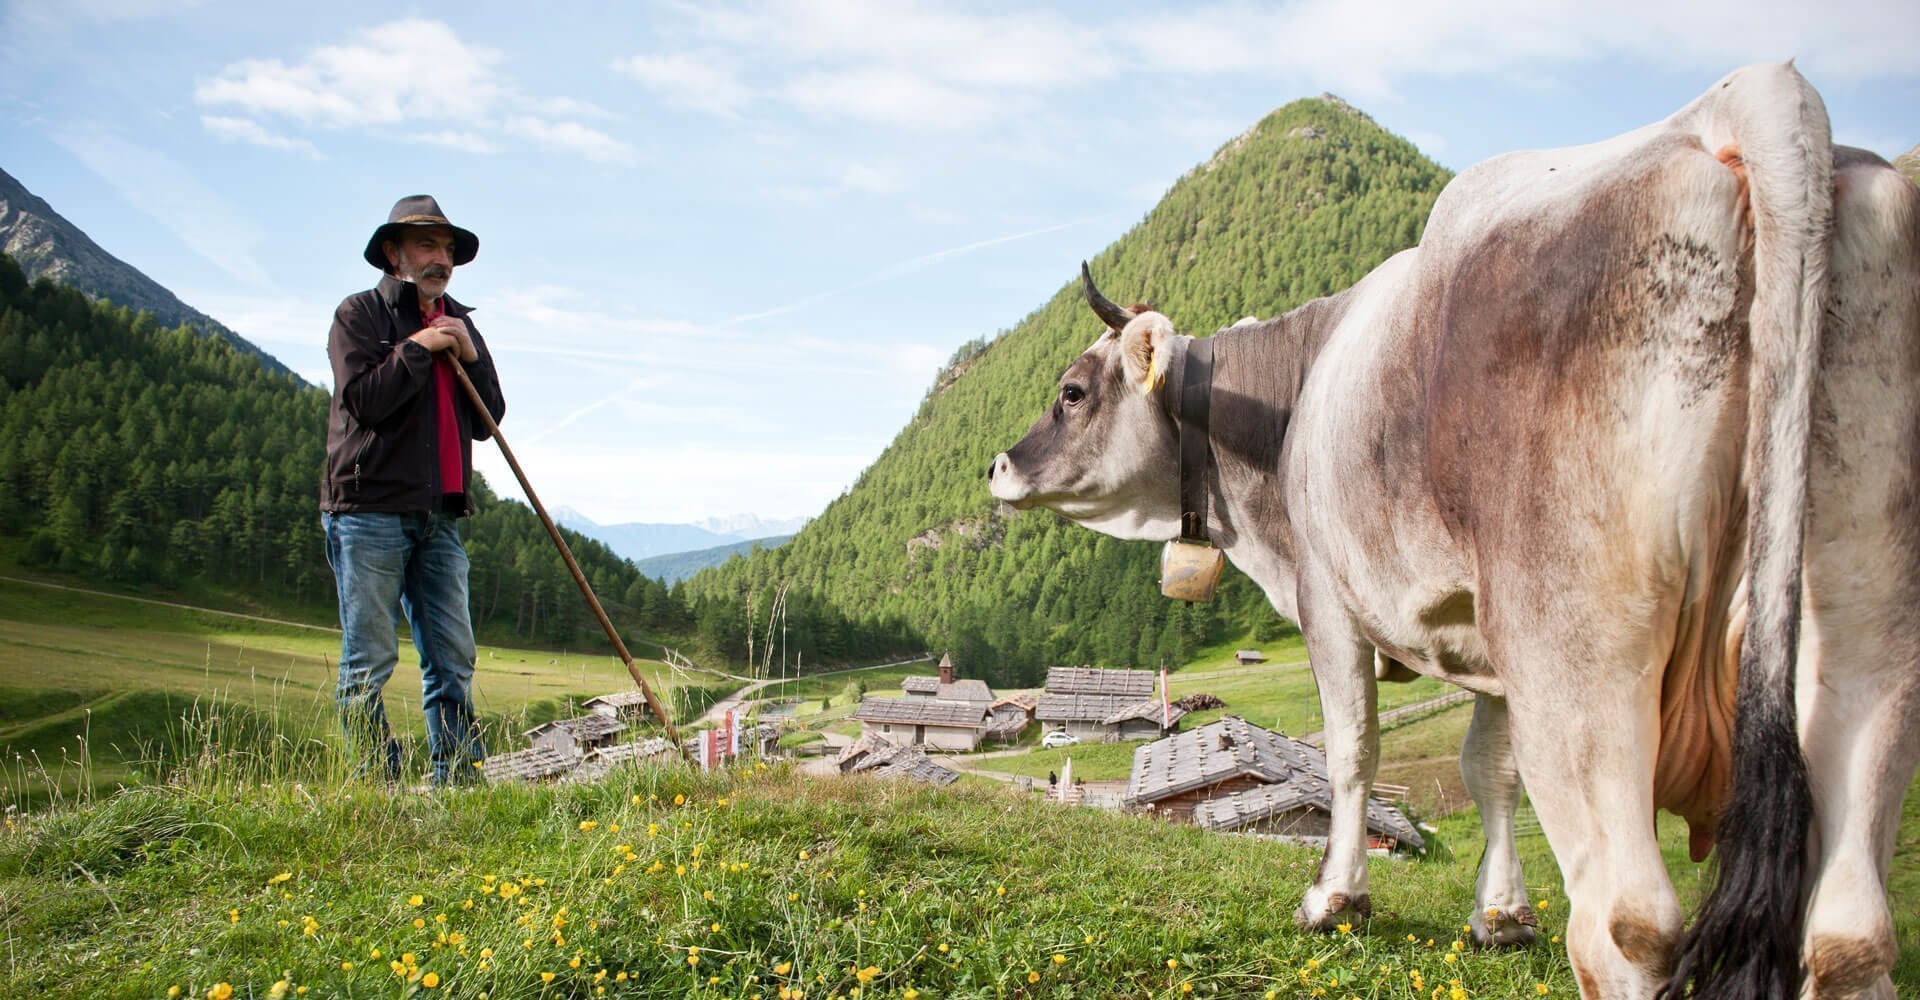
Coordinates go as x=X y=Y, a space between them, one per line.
x=424 y=256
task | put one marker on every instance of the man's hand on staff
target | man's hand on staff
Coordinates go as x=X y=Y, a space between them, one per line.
x=446 y=332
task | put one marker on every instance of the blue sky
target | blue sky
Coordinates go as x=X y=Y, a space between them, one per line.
x=725 y=247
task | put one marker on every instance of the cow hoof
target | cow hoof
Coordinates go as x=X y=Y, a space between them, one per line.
x=1497 y=928
x=1322 y=912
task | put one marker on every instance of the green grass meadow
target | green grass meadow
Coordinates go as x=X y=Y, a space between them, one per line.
x=92 y=686
x=181 y=819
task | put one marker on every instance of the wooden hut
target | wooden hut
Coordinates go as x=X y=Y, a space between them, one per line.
x=929 y=722
x=1231 y=775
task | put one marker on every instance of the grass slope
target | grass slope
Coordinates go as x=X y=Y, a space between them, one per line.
x=663 y=882
x=91 y=686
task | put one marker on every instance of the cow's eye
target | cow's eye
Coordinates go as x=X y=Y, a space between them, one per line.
x=1071 y=394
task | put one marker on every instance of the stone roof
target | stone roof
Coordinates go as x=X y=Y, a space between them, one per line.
x=619 y=699
x=1222 y=749
x=617 y=753
x=584 y=729
x=1231 y=812
x=1133 y=684
x=968 y=689
x=875 y=755
x=532 y=764
x=922 y=712
x=915 y=765
x=1149 y=710
x=1081 y=707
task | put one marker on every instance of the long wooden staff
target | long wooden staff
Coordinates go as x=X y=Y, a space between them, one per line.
x=586 y=590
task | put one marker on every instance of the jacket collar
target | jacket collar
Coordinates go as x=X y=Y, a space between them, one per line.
x=400 y=295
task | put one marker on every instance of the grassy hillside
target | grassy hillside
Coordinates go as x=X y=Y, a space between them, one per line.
x=1299 y=206
x=667 y=883
x=93 y=688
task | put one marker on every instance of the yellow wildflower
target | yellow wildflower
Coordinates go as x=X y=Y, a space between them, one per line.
x=282 y=877
x=430 y=980
x=277 y=990
x=1540 y=988
x=546 y=977
x=419 y=924
x=1346 y=928
x=679 y=800
x=220 y=991
x=346 y=966
x=587 y=824
x=1173 y=963
x=415 y=900
x=1033 y=977
x=781 y=969
x=1059 y=959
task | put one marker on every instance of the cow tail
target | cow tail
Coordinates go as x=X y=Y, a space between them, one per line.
x=1745 y=941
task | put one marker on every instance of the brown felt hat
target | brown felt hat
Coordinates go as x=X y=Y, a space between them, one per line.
x=419 y=210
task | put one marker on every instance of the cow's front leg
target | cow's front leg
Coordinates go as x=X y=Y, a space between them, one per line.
x=1343 y=668
x=1501 y=916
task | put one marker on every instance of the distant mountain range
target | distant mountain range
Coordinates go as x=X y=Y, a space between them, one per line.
x=673 y=568
x=638 y=540
x=47 y=246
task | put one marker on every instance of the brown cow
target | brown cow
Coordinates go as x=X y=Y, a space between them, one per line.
x=1632 y=437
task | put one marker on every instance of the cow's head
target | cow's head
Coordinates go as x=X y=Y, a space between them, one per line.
x=1105 y=453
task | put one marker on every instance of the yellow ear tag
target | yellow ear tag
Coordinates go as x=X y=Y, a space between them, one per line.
x=1156 y=374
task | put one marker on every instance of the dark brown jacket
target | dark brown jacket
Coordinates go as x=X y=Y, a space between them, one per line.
x=382 y=428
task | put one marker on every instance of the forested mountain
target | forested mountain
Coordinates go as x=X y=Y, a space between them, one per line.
x=46 y=245
x=676 y=566
x=1909 y=163
x=130 y=452
x=1301 y=205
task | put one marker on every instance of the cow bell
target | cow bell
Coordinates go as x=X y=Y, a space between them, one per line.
x=1189 y=570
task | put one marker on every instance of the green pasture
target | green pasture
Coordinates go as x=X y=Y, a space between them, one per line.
x=90 y=686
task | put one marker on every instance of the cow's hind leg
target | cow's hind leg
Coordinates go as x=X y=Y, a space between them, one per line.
x=1586 y=740
x=1501 y=914
x=1343 y=669
x=1858 y=691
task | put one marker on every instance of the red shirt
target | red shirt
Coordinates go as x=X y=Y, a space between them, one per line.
x=453 y=471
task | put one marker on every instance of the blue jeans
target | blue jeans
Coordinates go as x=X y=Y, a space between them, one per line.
x=412 y=564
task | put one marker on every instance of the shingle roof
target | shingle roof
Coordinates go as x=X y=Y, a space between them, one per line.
x=532 y=764
x=969 y=689
x=1215 y=752
x=920 y=684
x=922 y=711
x=1133 y=684
x=622 y=752
x=1149 y=709
x=1081 y=707
x=1230 y=812
x=872 y=754
x=1025 y=701
x=619 y=699
x=585 y=728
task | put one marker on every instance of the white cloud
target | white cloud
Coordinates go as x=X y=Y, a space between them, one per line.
x=889 y=96
x=465 y=142
x=403 y=79
x=572 y=137
x=408 y=70
x=1402 y=40
x=249 y=131
x=689 y=81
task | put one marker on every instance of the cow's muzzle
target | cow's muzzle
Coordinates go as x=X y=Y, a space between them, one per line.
x=1005 y=482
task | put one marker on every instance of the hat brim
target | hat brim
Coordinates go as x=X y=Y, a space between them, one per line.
x=466 y=246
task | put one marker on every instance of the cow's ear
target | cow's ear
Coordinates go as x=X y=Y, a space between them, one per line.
x=1144 y=345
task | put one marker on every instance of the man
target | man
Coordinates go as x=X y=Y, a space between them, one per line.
x=399 y=461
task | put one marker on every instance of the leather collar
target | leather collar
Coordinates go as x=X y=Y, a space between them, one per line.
x=1187 y=395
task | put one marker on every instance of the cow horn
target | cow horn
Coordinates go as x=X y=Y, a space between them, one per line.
x=1110 y=314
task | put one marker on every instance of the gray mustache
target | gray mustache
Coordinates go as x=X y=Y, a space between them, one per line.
x=435 y=271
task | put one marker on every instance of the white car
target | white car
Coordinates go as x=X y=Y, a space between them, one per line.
x=1057 y=739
